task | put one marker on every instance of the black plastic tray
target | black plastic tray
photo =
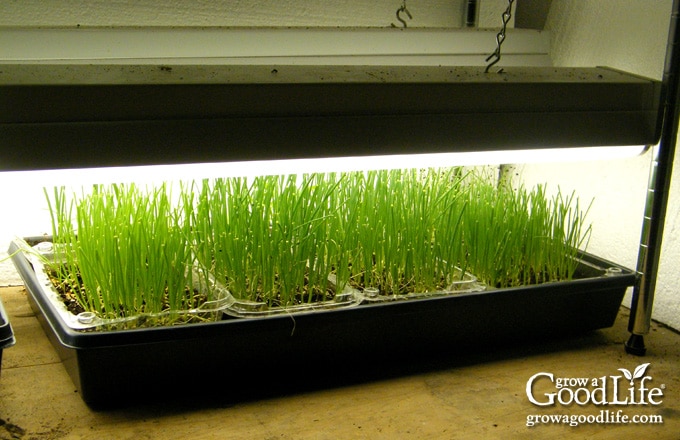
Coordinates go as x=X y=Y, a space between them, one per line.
x=244 y=357
x=6 y=333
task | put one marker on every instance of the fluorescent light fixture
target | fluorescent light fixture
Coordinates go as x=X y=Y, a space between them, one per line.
x=157 y=173
x=139 y=115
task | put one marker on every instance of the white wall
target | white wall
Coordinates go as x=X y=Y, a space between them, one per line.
x=630 y=35
x=356 y=13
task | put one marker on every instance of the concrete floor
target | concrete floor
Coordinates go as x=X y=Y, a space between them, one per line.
x=475 y=396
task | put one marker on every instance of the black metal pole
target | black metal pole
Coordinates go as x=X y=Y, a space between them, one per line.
x=657 y=195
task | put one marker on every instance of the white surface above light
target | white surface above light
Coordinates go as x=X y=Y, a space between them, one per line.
x=358 y=46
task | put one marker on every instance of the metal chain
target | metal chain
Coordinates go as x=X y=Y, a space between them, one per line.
x=500 y=37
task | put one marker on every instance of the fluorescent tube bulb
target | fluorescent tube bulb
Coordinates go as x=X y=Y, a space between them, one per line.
x=158 y=173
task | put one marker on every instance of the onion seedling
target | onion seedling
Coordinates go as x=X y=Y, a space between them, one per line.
x=407 y=229
x=126 y=252
x=273 y=240
x=520 y=237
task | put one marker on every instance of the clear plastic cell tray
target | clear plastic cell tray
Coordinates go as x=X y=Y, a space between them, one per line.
x=242 y=308
x=224 y=302
x=39 y=254
x=464 y=282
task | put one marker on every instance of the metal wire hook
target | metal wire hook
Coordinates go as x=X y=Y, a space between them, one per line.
x=497 y=53
x=403 y=9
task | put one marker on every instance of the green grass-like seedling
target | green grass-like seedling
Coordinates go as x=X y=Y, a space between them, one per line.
x=406 y=229
x=123 y=252
x=521 y=237
x=275 y=240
